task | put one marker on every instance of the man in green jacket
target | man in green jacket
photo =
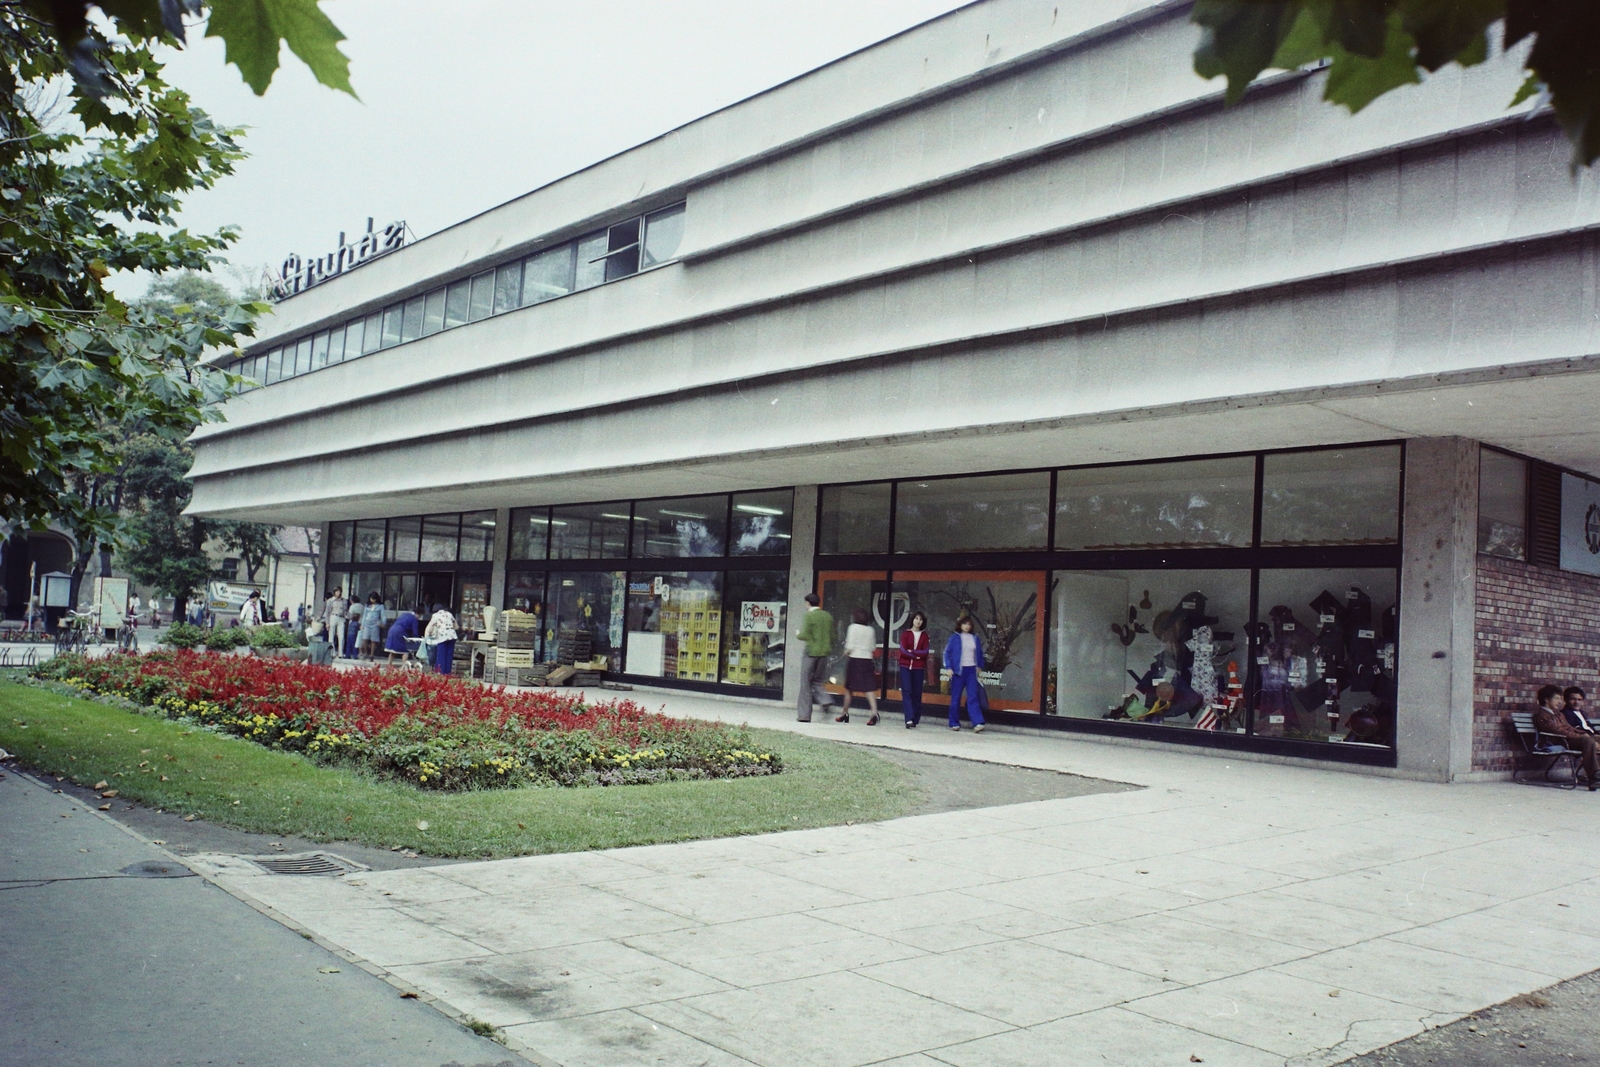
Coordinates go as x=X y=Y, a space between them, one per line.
x=816 y=641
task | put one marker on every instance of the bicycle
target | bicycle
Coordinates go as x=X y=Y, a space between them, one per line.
x=128 y=638
x=72 y=633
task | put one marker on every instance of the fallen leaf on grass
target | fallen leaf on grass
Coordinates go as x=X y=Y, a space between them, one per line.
x=422 y=824
x=101 y=784
x=188 y=818
x=109 y=793
x=164 y=778
x=105 y=807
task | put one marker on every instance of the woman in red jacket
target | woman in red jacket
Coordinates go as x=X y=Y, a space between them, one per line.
x=913 y=666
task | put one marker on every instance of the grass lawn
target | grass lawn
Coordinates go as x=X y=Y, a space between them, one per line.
x=237 y=783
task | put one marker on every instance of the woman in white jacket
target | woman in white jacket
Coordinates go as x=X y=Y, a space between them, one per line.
x=860 y=674
x=250 y=611
x=441 y=637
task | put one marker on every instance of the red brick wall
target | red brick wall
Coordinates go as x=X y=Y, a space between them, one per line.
x=1534 y=625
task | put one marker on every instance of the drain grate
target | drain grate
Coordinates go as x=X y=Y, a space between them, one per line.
x=312 y=863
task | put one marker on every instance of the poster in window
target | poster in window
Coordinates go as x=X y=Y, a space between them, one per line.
x=761 y=616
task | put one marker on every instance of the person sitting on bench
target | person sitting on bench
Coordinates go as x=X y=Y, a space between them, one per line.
x=1572 y=708
x=1549 y=719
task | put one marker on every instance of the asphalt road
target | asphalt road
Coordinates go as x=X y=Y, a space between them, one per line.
x=100 y=967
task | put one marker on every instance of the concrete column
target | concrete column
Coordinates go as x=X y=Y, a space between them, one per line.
x=320 y=593
x=502 y=552
x=802 y=547
x=1438 y=578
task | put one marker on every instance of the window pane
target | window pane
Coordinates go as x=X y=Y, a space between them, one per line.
x=373 y=335
x=1325 y=661
x=411 y=320
x=1005 y=610
x=622 y=247
x=854 y=519
x=754 y=604
x=338 y=582
x=1157 y=505
x=589 y=531
x=477 y=536
x=369 y=541
x=482 y=297
x=302 y=356
x=675 y=624
x=275 y=365
x=585 y=620
x=455 y=304
x=319 y=351
x=336 y=346
x=1347 y=496
x=353 y=336
x=404 y=537
x=685 y=527
x=440 y=536
x=1502 y=505
x=663 y=232
x=761 y=523
x=507 y=287
x=530 y=533
x=340 y=535
x=1000 y=511
x=591 y=266
x=547 y=275
x=1162 y=648
x=433 y=313
x=391 y=325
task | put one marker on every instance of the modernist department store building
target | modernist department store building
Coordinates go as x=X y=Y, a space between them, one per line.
x=1263 y=429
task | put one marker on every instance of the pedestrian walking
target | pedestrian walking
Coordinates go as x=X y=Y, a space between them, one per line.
x=963 y=654
x=816 y=641
x=353 y=627
x=441 y=632
x=250 y=611
x=335 y=618
x=372 y=626
x=860 y=673
x=913 y=662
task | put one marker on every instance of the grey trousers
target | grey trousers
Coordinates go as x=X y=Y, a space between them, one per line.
x=813 y=675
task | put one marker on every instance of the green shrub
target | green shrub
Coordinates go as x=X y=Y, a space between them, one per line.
x=273 y=636
x=184 y=635
x=220 y=640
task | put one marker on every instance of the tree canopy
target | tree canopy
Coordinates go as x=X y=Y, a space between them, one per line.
x=1375 y=46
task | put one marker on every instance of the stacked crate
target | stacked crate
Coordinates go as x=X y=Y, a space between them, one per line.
x=574 y=646
x=695 y=620
x=747 y=661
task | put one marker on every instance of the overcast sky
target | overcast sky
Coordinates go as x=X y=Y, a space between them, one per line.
x=466 y=105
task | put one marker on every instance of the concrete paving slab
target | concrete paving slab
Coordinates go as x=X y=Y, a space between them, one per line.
x=1210 y=912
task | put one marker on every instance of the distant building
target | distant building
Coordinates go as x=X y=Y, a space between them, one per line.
x=1264 y=430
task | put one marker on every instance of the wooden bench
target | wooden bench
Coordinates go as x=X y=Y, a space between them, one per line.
x=1550 y=748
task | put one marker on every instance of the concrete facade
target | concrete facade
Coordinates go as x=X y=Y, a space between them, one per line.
x=1021 y=235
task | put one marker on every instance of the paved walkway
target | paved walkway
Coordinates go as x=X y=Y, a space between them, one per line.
x=1229 y=913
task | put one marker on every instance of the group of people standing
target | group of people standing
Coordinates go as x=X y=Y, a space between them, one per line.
x=361 y=630
x=963 y=657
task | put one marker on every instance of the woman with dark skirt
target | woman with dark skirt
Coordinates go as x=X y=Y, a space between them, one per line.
x=913 y=666
x=860 y=676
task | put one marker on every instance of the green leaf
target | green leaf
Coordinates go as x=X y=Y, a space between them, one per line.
x=1447 y=30
x=1240 y=38
x=252 y=29
x=1567 y=34
x=1356 y=81
x=1531 y=87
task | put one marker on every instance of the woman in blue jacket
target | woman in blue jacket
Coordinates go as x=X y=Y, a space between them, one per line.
x=963 y=655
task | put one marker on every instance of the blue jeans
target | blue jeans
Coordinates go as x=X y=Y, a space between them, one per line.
x=443 y=654
x=911 y=693
x=966 y=679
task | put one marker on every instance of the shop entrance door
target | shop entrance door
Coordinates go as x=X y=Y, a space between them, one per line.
x=843 y=593
x=1004 y=605
x=437 y=587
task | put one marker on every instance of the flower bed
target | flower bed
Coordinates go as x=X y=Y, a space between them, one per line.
x=436 y=731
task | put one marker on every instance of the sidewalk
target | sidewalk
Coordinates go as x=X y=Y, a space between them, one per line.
x=1237 y=912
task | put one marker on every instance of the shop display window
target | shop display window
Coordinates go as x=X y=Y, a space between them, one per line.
x=365 y=583
x=469 y=610
x=405 y=536
x=477 y=536
x=1157 y=647
x=525 y=591
x=585 y=617
x=1187 y=504
x=761 y=523
x=1502 y=505
x=400 y=594
x=843 y=592
x=589 y=531
x=441 y=535
x=754 y=617
x=1335 y=496
x=369 y=541
x=686 y=527
x=1003 y=605
x=994 y=512
x=530 y=533
x=1325 y=655
x=340 y=535
x=675 y=624
x=854 y=519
